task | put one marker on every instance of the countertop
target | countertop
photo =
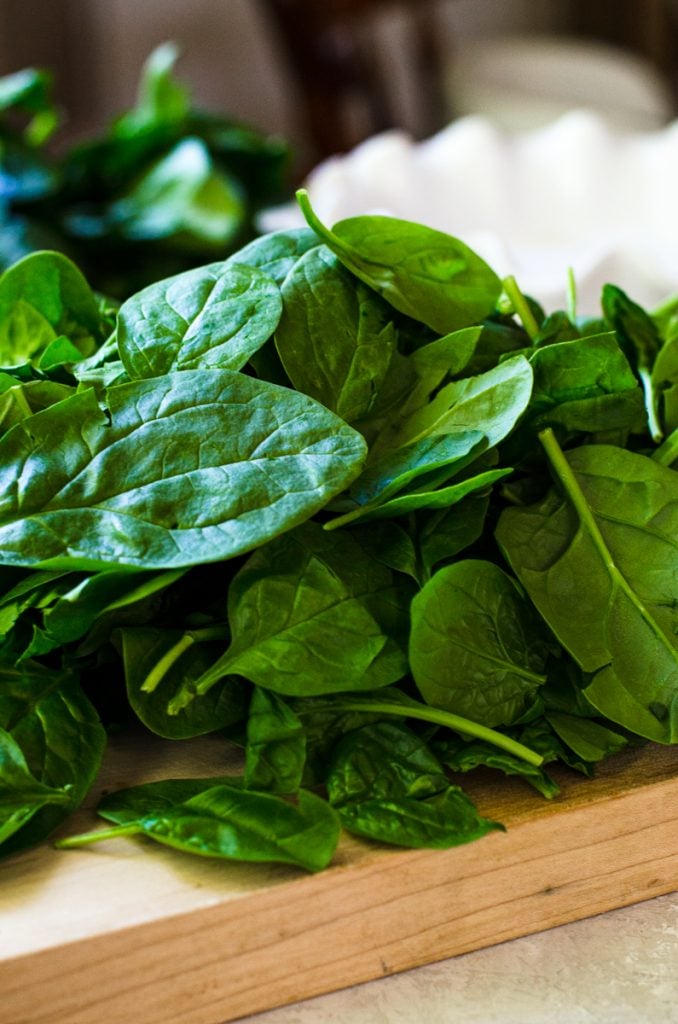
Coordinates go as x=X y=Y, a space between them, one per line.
x=616 y=968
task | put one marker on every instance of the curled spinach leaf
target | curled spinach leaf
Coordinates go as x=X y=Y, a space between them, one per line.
x=423 y=273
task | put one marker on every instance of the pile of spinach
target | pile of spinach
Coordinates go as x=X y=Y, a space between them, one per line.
x=345 y=499
x=167 y=187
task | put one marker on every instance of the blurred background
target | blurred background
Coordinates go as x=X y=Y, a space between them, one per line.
x=327 y=73
x=530 y=183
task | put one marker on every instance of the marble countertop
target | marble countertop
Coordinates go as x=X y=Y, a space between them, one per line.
x=616 y=968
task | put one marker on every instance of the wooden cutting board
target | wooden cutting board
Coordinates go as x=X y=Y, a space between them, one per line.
x=129 y=932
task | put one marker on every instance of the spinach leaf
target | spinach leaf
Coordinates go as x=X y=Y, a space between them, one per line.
x=215 y=317
x=42 y=297
x=390 y=544
x=73 y=614
x=49 y=726
x=665 y=382
x=386 y=785
x=278 y=253
x=336 y=338
x=21 y=794
x=186 y=468
x=445 y=533
x=599 y=559
x=217 y=818
x=492 y=402
x=667 y=453
x=422 y=498
x=464 y=756
x=412 y=458
x=380 y=761
x=29 y=92
x=541 y=737
x=18 y=400
x=585 y=385
x=444 y=820
x=641 y=342
x=441 y=358
x=393 y=701
x=161 y=99
x=476 y=647
x=310 y=613
x=384 y=477
x=592 y=741
x=158 y=662
x=423 y=273
x=276 y=745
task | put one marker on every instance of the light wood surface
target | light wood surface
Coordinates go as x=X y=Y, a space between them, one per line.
x=130 y=932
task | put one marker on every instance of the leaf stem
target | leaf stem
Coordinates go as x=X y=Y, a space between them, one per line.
x=656 y=432
x=162 y=667
x=667 y=453
x=88 y=838
x=571 y=295
x=521 y=306
x=461 y=725
x=569 y=481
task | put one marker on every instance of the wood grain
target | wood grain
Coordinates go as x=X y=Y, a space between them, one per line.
x=129 y=931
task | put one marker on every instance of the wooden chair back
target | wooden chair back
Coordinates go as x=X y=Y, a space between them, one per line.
x=342 y=71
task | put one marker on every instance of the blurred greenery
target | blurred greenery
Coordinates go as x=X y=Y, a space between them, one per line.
x=164 y=188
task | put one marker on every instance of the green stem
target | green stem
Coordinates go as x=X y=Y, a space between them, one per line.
x=315 y=223
x=347 y=517
x=571 y=295
x=667 y=453
x=561 y=467
x=87 y=838
x=200 y=686
x=162 y=667
x=521 y=307
x=656 y=432
x=451 y=721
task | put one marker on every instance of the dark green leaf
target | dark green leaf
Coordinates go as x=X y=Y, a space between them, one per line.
x=592 y=741
x=43 y=296
x=182 y=196
x=276 y=745
x=191 y=467
x=600 y=562
x=158 y=662
x=311 y=613
x=214 y=818
x=61 y=740
x=21 y=794
x=383 y=761
x=446 y=533
x=476 y=647
x=445 y=820
x=336 y=337
x=640 y=340
x=460 y=756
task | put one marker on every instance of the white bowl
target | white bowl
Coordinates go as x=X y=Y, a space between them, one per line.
x=574 y=194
